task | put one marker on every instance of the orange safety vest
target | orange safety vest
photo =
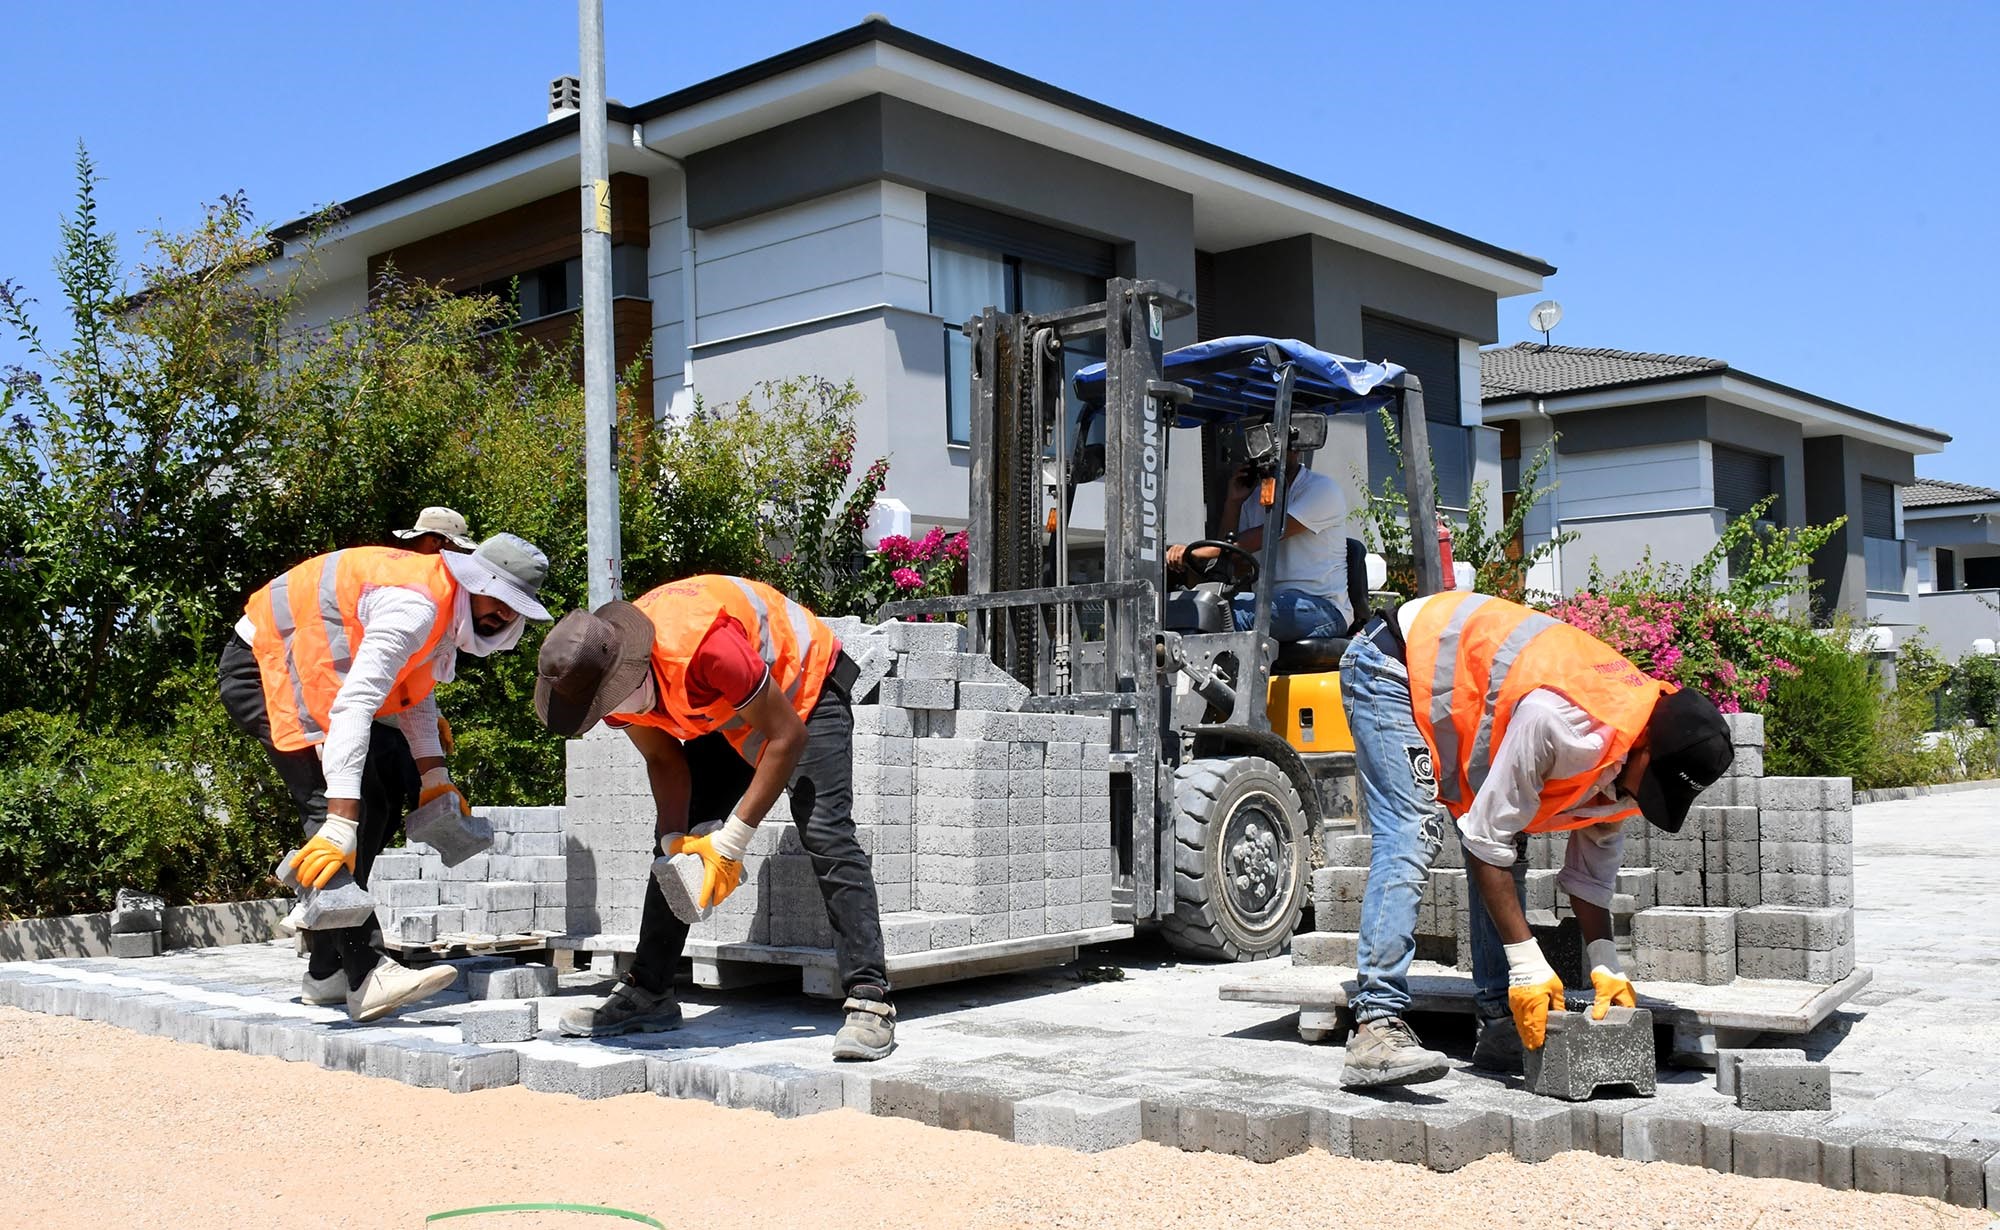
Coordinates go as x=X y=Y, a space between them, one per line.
x=795 y=644
x=308 y=623
x=1473 y=657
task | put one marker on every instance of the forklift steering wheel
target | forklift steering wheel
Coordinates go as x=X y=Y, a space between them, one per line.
x=1234 y=568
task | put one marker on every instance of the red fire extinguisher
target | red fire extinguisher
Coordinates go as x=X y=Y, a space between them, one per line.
x=1444 y=552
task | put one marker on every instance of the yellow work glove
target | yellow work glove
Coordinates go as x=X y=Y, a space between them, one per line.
x=1533 y=991
x=720 y=848
x=438 y=782
x=1614 y=989
x=330 y=851
x=445 y=740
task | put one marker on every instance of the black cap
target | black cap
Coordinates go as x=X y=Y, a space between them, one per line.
x=590 y=661
x=1689 y=743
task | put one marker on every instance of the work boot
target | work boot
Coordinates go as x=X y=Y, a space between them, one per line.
x=1499 y=1046
x=1386 y=1052
x=323 y=992
x=870 y=1031
x=630 y=1008
x=391 y=987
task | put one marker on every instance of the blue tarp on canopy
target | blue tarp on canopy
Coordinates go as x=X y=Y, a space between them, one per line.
x=1231 y=379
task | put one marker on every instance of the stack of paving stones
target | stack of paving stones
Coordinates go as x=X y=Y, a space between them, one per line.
x=136 y=922
x=1759 y=883
x=982 y=823
x=519 y=886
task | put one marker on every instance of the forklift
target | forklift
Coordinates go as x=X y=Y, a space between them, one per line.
x=1227 y=747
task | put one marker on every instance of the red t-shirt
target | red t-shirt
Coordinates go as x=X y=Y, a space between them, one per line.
x=725 y=667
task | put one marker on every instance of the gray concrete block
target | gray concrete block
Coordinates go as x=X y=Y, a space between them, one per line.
x=1538 y=1132
x=1389 y=1134
x=907 y=636
x=454 y=835
x=1457 y=1136
x=1789 y=1147
x=404 y=894
x=1581 y=1054
x=1685 y=929
x=919 y=693
x=342 y=903
x=511 y=982
x=510 y=1023
x=1678 y=888
x=783 y=1090
x=1326 y=948
x=1784 y=1086
x=1780 y=888
x=548 y=1074
x=1672 y=965
x=995 y=696
x=1730 y=1060
x=417 y=927
x=128 y=944
x=1745 y=729
x=1638 y=882
x=396 y=865
x=1077 y=1121
x=134 y=912
x=501 y=895
x=904 y=1097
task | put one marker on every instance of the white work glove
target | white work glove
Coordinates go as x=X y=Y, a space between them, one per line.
x=1533 y=991
x=438 y=782
x=1613 y=988
x=330 y=851
x=721 y=848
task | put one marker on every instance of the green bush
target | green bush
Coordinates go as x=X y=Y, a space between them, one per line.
x=1904 y=752
x=1820 y=721
x=1972 y=690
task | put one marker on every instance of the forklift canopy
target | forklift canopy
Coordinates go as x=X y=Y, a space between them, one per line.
x=1232 y=380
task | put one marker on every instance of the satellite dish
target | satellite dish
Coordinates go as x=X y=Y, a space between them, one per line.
x=1544 y=317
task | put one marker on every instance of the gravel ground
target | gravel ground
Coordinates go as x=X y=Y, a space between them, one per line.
x=102 y=1127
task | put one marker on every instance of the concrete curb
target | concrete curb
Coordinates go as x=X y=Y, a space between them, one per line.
x=1841 y=1151
x=185 y=926
x=1891 y=794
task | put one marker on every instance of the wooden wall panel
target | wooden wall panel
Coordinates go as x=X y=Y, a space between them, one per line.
x=516 y=240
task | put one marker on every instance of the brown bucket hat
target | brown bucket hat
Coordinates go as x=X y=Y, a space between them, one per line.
x=590 y=661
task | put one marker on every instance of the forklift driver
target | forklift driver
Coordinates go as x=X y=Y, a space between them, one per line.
x=1309 y=592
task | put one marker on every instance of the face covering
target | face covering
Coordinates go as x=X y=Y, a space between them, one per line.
x=465 y=636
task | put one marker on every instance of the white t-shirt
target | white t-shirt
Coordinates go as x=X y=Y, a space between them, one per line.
x=1315 y=562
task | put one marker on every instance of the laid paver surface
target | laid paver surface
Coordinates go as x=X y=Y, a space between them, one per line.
x=1919 y=1050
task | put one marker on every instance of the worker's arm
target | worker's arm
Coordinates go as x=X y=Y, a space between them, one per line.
x=421 y=727
x=667 y=774
x=722 y=848
x=395 y=623
x=1590 y=876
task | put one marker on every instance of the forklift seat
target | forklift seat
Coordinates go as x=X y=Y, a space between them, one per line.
x=1322 y=653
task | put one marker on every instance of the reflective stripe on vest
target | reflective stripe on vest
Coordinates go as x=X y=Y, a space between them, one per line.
x=304 y=652
x=1464 y=651
x=798 y=652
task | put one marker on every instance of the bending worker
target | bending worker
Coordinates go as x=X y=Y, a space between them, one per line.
x=1309 y=590
x=1511 y=722
x=732 y=694
x=321 y=652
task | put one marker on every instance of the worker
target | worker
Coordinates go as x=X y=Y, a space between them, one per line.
x=1510 y=722
x=732 y=694
x=437 y=529
x=1309 y=591
x=319 y=654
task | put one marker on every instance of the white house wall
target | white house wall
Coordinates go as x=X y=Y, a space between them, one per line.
x=665 y=211
x=1646 y=478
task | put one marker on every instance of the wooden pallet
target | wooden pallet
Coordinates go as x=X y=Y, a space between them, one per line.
x=1703 y=1018
x=472 y=944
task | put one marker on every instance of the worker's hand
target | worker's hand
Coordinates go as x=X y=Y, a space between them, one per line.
x=445 y=740
x=720 y=847
x=1614 y=989
x=438 y=782
x=330 y=851
x=1176 y=557
x=1533 y=991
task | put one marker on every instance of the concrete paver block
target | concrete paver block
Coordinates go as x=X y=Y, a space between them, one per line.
x=1326 y=948
x=550 y=1073
x=511 y=982
x=127 y=944
x=509 y=1023
x=1389 y=1134
x=1772 y=1085
x=1730 y=1060
x=454 y=835
x=1077 y=1121
x=133 y=911
x=1581 y=1054
x=1539 y=1132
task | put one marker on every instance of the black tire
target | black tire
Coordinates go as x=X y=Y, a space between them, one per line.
x=1242 y=858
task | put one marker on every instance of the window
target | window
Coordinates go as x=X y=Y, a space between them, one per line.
x=980 y=260
x=1434 y=358
x=557 y=287
x=1742 y=479
x=1947 y=570
x=1982 y=572
x=1882 y=551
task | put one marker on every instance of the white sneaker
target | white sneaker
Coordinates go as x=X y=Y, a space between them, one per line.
x=391 y=986
x=323 y=992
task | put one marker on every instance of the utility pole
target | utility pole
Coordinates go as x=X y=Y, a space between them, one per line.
x=600 y=407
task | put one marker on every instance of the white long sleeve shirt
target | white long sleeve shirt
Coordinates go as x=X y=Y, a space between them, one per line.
x=1548 y=738
x=395 y=623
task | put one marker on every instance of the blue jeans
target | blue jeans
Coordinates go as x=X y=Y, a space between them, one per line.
x=1295 y=615
x=1405 y=820
x=1489 y=958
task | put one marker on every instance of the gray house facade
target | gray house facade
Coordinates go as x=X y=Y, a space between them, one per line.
x=839 y=210
x=1657 y=453
x=1954 y=531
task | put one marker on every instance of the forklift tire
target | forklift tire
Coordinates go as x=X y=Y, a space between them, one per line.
x=1242 y=859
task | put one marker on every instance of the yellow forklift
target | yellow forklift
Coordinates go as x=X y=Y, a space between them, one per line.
x=1228 y=748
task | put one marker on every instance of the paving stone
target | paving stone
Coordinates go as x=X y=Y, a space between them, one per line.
x=1690 y=1136
x=134 y=912
x=510 y=981
x=905 y=1097
x=1325 y=948
x=1457 y=1136
x=1730 y=1060
x=1077 y=1121
x=1538 y=1132
x=127 y=944
x=1788 y=1147
x=784 y=1090
x=1581 y=1054
x=1276 y=1133
x=1769 y=1085
x=1389 y=1134
x=455 y=836
x=507 y=1023
x=581 y=1077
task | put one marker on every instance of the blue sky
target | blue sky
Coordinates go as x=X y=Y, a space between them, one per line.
x=1805 y=190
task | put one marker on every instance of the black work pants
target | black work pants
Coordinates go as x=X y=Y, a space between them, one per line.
x=389 y=787
x=822 y=794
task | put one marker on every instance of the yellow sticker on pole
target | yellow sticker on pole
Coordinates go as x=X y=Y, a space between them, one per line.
x=603 y=191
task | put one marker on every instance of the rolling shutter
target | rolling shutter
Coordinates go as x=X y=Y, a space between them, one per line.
x=1878 y=508
x=1742 y=479
x=1434 y=358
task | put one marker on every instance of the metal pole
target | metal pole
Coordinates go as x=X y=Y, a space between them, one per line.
x=600 y=393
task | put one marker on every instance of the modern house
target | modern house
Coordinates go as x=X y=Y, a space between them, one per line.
x=1657 y=453
x=841 y=209
x=1954 y=530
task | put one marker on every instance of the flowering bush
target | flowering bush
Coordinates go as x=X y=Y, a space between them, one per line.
x=904 y=567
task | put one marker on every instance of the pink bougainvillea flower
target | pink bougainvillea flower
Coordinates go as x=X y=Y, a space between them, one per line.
x=907 y=578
